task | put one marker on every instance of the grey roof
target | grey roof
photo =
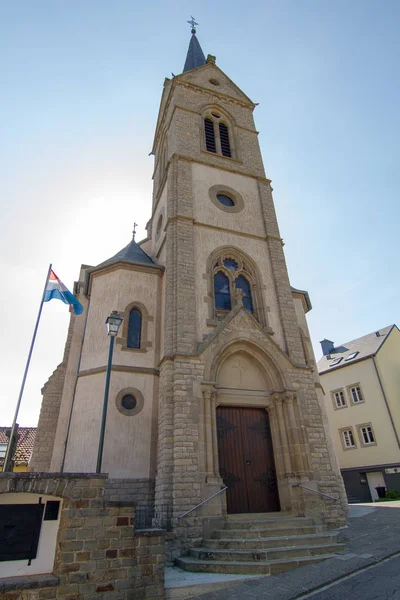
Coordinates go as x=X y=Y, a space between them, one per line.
x=366 y=346
x=132 y=253
x=195 y=56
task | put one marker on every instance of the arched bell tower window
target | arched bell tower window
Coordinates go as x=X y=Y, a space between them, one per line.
x=134 y=328
x=210 y=135
x=218 y=133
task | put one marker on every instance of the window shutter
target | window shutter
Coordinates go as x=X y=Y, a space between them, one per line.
x=224 y=137
x=210 y=135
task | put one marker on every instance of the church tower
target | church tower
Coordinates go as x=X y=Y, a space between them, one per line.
x=214 y=381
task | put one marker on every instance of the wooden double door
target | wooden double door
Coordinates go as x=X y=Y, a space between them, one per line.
x=246 y=460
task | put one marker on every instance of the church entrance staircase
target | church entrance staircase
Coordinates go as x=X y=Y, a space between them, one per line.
x=261 y=544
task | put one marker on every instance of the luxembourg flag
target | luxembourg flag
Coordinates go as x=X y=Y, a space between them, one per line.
x=56 y=289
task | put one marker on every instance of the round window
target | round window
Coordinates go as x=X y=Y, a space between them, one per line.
x=214 y=81
x=128 y=402
x=225 y=200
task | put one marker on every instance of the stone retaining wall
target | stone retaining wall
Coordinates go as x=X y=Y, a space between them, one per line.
x=98 y=553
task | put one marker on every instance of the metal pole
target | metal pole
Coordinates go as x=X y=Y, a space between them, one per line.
x=8 y=457
x=105 y=404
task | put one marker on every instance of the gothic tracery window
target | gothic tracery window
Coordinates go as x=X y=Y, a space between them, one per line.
x=134 y=328
x=230 y=274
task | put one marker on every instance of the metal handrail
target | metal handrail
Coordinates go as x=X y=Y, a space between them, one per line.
x=204 y=502
x=314 y=491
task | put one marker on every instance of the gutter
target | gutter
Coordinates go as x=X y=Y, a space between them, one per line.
x=386 y=402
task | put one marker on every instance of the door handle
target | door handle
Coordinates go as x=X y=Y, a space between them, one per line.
x=248 y=462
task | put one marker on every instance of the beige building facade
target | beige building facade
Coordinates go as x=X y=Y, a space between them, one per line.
x=361 y=380
x=214 y=381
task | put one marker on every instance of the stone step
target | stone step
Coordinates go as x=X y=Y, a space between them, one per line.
x=268 y=523
x=246 y=568
x=222 y=555
x=263 y=533
x=260 y=516
x=313 y=539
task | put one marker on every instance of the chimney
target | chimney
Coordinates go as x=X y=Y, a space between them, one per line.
x=377 y=333
x=327 y=347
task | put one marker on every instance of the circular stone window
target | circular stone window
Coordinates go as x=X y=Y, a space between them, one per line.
x=129 y=401
x=226 y=198
x=214 y=81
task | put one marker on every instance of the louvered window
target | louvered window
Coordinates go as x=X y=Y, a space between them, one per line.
x=210 y=135
x=224 y=139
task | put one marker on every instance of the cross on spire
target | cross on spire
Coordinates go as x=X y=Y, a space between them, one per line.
x=134 y=230
x=193 y=23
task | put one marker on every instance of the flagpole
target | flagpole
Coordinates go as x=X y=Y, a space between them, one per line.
x=7 y=460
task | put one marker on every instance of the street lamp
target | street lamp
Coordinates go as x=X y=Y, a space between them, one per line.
x=113 y=323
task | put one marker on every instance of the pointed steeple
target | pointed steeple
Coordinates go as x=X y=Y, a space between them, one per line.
x=195 y=55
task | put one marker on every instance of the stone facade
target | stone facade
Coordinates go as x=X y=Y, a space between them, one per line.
x=189 y=365
x=98 y=553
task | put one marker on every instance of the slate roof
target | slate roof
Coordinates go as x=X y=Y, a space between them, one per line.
x=195 y=56
x=26 y=439
x=366 y=346
x=132 y=253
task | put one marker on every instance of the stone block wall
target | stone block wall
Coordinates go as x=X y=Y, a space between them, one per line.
x=98 y=553
x=139 y=492
x=47 y=425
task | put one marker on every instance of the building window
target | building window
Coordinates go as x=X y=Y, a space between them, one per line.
x=366 y=435
x=228 y=277
x=348 y=439
x=210 y=135
x=222 y=292
x=356 y=395
x=339 y=399
x=129 y=401
x=3 y=450
x=134 y=328
x=241 y=283
x=225 y=200
x=218 y=136
x=224 y=139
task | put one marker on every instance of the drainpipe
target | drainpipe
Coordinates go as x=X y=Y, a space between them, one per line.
x=386 y=402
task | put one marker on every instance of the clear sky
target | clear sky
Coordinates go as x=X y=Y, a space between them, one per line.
x=80 y=91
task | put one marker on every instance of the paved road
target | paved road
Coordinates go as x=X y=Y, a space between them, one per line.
x=378 y=583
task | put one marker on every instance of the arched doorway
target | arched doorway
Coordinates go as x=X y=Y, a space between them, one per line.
x=245 y=442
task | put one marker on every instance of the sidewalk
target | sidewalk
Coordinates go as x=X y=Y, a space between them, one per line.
x=372 y=535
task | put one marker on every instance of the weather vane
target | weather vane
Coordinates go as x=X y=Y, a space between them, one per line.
x=193 y=23
x=134 y=230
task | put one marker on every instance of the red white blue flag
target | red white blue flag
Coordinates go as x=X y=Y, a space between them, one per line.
x=56 y=289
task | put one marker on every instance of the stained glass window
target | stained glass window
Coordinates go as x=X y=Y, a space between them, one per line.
x=222 y=292
x=242 y=283
x=231 y=264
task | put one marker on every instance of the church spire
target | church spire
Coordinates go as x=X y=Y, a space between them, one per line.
x=195 y=56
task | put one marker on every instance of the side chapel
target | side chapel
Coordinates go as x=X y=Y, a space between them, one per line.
x=213 y=379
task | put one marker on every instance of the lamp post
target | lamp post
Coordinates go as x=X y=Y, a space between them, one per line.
x=113 y=323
